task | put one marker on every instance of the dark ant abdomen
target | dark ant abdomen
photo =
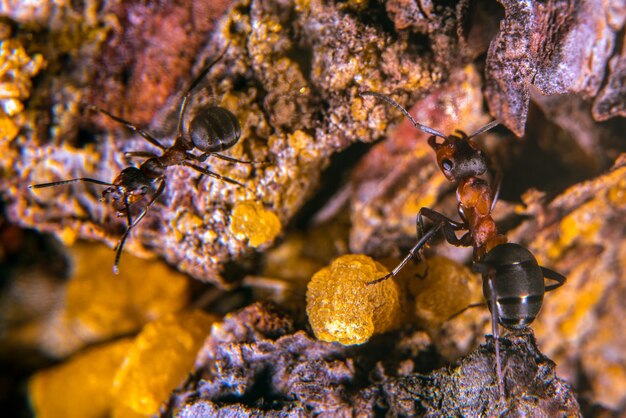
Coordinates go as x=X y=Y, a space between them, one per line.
x=214 y=129
x=518 y=285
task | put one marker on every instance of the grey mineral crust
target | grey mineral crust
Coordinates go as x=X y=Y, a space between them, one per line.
x=254 y=364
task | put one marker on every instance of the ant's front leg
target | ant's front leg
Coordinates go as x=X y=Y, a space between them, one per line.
x=133 y=223
x=138 y=154
x=441 y=222
x=412 y=254
x=448 y=226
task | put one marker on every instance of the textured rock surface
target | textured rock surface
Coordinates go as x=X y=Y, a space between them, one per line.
x=255 y=364
x=292 y=74
x=581 y=234
x=291 y=79
x=557 y=47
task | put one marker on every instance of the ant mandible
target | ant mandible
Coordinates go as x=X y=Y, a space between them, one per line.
x=513 y=281
x=212 y=129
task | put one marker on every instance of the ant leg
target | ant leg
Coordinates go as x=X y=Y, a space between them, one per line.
x=553 y=275
x=494 y=325
x=234 y=160
x=120 y=244
x=495 y=192
x=194 y=83
x=59 y=183
x=206 y=155
x=130 y=126
x=423 y=275
x=138 y=154
x=465 y=241
x=122 y=240
x=131 y=224
x=212 y=174
x=412 y=254
x=448 y=225
x=470 y=306
x=129 y=218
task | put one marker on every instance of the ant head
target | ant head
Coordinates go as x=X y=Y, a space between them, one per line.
x=458 y=157
x=128 y=187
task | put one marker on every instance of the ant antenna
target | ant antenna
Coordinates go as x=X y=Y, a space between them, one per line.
x=397 y=105
x=485 y=128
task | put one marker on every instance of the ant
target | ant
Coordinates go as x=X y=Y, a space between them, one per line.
x=212 y=129
x=513 y=281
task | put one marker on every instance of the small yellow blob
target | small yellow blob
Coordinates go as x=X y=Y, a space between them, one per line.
x=100 y=305
x=358 y=110
x=17 y=69
x=581 y=224
x=250 y=220
x=160 y=358
x=343 y=308
x=442 y=292
x=81 y=387
x=617 y=193
x=186 y=223
x=68 y=235
x=122 y=411
x=8 y=128
x=302 y=6
x=300 y=142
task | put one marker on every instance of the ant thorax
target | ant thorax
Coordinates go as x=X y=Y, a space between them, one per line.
x=475 y=201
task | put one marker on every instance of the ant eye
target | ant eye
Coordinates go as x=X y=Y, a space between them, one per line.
x=447 y=165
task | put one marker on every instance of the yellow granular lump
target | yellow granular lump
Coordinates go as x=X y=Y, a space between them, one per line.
x=101 y=305
x=161 y=357
x=122 y=411
x=343 y=308
x=17 y=69
x=250 y=220
x=443 y=291
x=81 y=387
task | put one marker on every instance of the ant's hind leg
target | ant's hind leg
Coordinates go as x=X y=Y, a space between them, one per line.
x=491 y=275
x=129 y=125
x=553 y=275
x=212 y=174
x=138 y=154
x=229 y=159
x=470 y=306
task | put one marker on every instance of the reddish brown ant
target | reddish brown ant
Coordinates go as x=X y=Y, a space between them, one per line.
x=212 y=129
x=513 y=281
